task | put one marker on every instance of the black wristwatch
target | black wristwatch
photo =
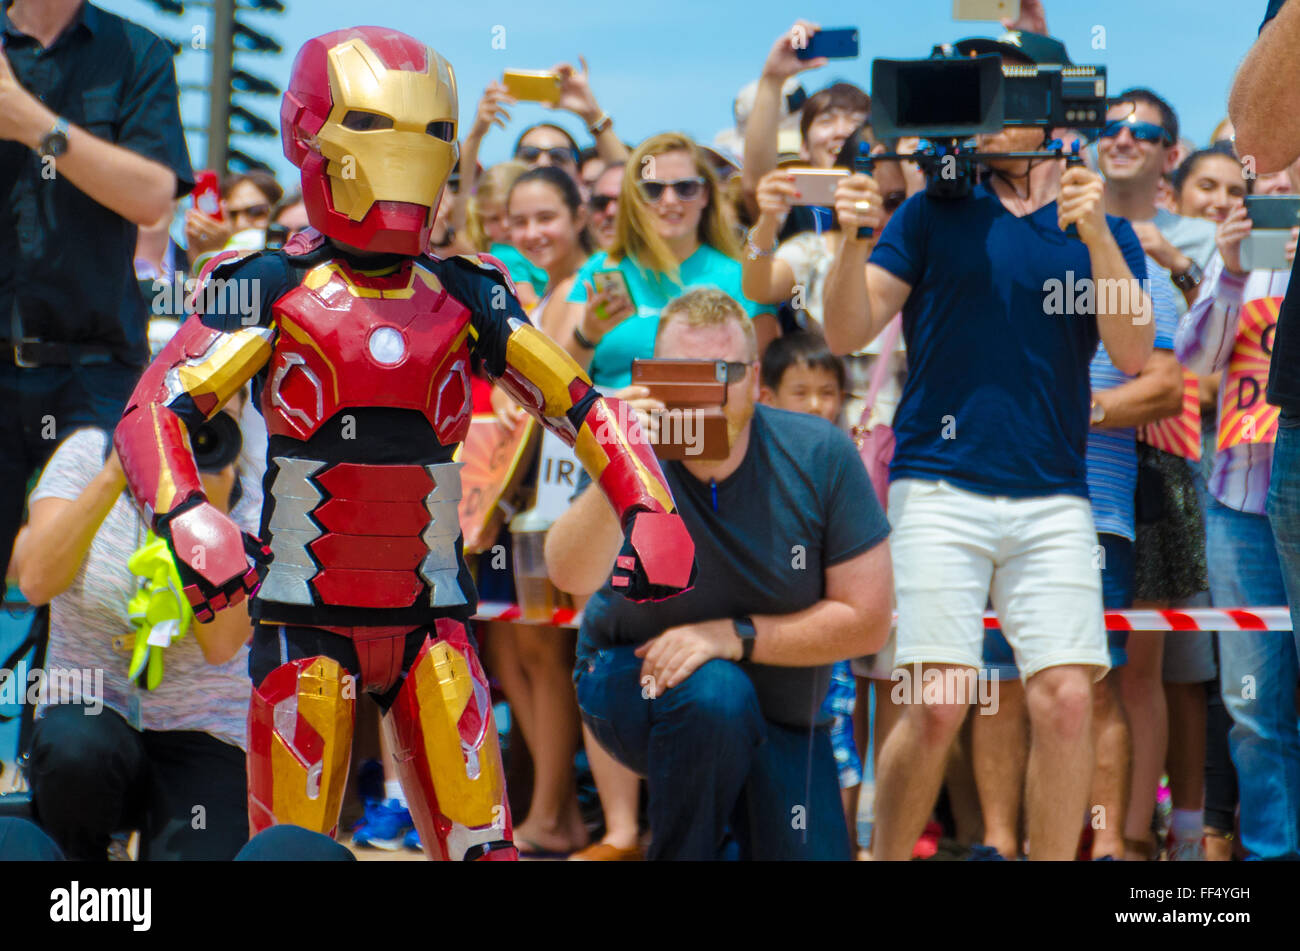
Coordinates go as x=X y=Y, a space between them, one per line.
x=746 y=632
x=1190 y=278
x=55 y=142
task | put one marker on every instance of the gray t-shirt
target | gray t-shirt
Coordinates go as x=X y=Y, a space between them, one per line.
x=800 y=502
x=90 y=631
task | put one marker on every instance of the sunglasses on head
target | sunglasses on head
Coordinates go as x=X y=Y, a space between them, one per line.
x=1142 y=131
x=530 y=153
x=600 y=203
x=685 y=188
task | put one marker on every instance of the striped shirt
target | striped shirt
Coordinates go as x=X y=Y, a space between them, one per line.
x=1112 y=453
x=1206 y=336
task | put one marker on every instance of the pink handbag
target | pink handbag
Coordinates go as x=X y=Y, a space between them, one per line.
x=876 y=445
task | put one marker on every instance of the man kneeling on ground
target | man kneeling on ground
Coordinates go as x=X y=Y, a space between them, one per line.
x=714 y=696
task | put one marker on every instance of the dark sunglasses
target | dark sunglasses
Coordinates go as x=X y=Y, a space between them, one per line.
x=599 y=203
x=686 y=189
x=1142 y=131
x=530 y=153
x=252 y=211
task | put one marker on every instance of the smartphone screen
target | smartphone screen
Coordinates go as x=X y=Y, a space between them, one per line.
x=1281 y=212
x=603 y=280
x=839 y=43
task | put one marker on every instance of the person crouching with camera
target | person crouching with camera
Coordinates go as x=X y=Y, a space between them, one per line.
x=714 y=695
x=108 y=754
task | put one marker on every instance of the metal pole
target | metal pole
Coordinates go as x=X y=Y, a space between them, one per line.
x=223 y=48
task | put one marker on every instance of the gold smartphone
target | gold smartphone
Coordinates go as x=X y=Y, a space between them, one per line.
x=993 y=10
x=532 y=85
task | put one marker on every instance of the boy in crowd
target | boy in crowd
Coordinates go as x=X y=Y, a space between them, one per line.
x=799 y=373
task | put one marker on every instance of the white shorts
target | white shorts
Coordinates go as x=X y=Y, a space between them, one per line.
x=1036 y=559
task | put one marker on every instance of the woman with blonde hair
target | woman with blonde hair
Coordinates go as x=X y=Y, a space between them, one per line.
x=674 y=231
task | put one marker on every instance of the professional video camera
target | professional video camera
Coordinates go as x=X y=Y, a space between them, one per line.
x=951 y=97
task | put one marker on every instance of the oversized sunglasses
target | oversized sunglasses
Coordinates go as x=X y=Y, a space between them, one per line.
x=599 y=203
x=1142 y=131
x=530 y=153
x=686 y=189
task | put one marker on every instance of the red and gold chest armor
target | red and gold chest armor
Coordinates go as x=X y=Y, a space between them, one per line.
x=346 y=532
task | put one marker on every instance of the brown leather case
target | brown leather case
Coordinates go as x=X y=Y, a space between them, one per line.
x=694 y=426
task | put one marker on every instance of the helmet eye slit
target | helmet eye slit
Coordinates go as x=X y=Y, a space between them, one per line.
x=443 y=130
x=360 y=121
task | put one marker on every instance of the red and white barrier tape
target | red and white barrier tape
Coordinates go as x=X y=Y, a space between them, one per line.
x=1185 y=619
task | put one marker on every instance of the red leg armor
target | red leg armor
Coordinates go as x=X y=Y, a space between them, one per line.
x=299 y=745
x=444 y=739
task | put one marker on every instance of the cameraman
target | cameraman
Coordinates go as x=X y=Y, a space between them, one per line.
x=167 y=761
x=988 y=495
x=713 y=696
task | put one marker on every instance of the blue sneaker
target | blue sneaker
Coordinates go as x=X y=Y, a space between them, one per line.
x=984 y=853
x=383 y=826
x=412 y=840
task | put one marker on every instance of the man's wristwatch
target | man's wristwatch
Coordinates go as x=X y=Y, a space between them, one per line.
x=746 y=632
x=602 y=122
x=55 y=142
x=1189 y=278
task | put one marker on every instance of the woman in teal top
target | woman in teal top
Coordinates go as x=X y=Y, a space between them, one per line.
x=673 y=233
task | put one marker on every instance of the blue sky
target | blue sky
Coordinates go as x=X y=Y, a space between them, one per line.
x=678 y=63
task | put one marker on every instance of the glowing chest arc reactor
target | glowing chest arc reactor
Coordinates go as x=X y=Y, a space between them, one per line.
x=387 y=345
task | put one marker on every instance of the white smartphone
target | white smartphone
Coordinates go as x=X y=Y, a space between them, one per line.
x=816 y=186
x=1272 y=218
x=986 y=9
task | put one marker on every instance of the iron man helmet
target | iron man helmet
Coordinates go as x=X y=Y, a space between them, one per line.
x=370 y=118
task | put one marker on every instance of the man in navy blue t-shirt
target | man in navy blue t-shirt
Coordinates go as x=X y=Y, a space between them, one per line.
x=1002 y=312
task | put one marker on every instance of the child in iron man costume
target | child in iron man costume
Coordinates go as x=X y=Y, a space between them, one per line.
x=360 y=346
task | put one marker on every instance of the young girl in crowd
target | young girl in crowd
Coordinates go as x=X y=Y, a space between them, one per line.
x=546 y=220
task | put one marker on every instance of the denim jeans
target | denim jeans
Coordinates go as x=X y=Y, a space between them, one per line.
x=713 y=762
x=1258 y=671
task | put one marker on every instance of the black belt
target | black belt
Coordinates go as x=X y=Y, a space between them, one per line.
x=29 y=353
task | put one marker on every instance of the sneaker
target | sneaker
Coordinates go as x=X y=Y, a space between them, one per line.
x=412 y=840
x=1186 y=850
x=985 y=853
x=383 y=826
x=928 y=843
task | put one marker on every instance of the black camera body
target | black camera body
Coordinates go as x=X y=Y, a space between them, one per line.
x=947 y=100
x=216 y=443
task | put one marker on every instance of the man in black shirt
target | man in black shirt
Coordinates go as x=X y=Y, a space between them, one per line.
x=714 y=695
x=90 y=147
